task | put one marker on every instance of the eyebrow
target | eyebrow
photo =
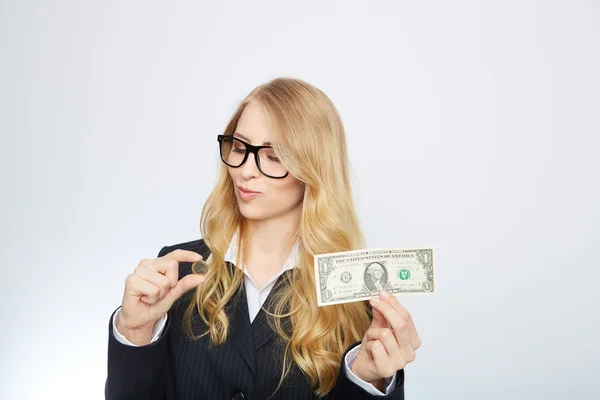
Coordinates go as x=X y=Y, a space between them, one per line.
x=248 y=140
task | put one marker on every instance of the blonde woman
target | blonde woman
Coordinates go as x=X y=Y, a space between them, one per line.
x=245 y=324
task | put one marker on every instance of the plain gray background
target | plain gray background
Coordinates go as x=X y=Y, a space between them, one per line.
x=472 y=128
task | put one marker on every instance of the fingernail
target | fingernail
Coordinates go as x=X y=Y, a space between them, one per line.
x=385 y=294
x=375 y=300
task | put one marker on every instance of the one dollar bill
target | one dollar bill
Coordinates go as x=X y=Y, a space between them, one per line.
x=361 y=274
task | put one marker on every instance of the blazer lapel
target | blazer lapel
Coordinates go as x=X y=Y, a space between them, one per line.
x=240 y=331
x=247 y=337
x=262 y=332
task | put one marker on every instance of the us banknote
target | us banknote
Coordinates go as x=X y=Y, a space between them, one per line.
x=359 y=275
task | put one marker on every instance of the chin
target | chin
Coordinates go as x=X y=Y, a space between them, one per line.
x=249 y=211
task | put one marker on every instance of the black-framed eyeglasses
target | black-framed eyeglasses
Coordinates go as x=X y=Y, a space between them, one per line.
x=234 y=153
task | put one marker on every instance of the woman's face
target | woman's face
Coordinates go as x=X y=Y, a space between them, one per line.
x=260 y=197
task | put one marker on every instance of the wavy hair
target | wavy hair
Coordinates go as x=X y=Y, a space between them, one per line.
x=309 y=139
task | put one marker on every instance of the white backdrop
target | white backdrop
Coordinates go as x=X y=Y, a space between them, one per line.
x=472 y=126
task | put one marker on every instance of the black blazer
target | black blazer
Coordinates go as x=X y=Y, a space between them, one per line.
x=246 y=366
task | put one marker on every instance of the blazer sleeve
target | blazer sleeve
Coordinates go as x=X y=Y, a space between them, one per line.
x=137 y=372
x=346 y=389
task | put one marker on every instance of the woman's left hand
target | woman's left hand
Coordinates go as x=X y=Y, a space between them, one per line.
x=389 y=343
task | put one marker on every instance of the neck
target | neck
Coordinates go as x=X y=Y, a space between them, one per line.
x=269 y=244
x=273 y=236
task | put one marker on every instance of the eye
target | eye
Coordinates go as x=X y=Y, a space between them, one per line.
x=270 y=155
x=238 y=148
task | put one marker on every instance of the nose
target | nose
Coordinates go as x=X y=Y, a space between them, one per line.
x=250 y=169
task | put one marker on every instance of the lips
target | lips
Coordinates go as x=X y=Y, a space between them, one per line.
x=247 y=194
x=243 y=189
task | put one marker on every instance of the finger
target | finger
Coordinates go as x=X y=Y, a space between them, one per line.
x=363 y=344
x=408 y=353
x=389 y=341
x=395 y=303
x=158 y=279
x=382 y=363
x=168 y=264
x=138 y=287
x=399 y=325
x=179 y=255
x=183 y=255
x=164 y=266
x=378 y=320
x=186 y=283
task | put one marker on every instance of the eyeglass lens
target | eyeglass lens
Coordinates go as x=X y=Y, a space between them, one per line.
x=233 y=152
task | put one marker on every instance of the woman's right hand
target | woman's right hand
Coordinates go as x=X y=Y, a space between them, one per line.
x=151 y=290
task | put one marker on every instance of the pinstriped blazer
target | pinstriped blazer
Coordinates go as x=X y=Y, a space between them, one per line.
x=247 y=366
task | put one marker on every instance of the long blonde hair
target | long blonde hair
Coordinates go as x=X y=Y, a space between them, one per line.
x=309 y=138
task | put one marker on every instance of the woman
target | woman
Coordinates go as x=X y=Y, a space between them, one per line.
x=245 y=324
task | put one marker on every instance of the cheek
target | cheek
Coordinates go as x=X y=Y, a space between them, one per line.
x=232 y=172
x=293 y=190
x=285 y=194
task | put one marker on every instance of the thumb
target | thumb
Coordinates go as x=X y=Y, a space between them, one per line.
x=379 y=320
x=186 y=283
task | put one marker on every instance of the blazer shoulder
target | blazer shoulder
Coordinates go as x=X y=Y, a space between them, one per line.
x=199 y=246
